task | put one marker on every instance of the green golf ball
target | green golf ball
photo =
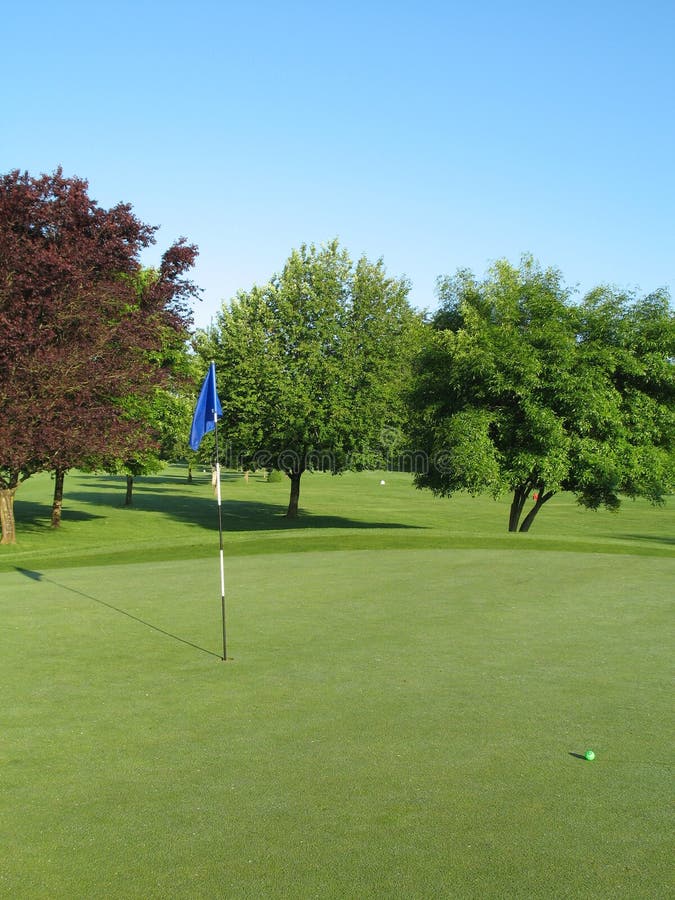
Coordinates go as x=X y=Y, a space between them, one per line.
x=589 y=754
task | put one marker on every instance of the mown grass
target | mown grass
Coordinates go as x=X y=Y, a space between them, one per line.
x=171 y=519
x=403 y=714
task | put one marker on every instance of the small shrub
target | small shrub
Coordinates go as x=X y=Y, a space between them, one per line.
x=274 y=475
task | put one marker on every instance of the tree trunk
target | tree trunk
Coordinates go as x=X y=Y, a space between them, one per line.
x=292 y=511
x=519 y=498
x=7 y=515
x=57 y=504
x=189 y=474
x=129 y=499
x=539 y=502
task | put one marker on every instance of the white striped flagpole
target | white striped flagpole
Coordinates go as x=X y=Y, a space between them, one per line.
x=220 y=534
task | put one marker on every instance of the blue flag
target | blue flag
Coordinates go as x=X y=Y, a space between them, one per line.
x=208 y=406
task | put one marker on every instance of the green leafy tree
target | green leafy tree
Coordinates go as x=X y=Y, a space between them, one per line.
x=310 y=365
x=520 y=390
x=166 y=415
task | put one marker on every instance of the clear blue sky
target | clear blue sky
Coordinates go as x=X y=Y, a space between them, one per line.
x=436 y=135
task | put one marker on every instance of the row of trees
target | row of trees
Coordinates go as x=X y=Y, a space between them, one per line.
x=510 y=387
x=311 y=365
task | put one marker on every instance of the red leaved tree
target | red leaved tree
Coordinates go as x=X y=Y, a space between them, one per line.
x=77 y=336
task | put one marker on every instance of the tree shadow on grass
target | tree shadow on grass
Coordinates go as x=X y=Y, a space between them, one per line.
x=39 y=576
x=185 y=505
x=148 y=483
x=238 y=515
x=656 y=538
x=34 y=517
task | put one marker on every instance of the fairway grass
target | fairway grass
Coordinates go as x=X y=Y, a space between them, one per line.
x=404 y=712
x=171 y=519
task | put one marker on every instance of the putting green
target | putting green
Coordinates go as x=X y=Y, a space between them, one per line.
x=392 y=723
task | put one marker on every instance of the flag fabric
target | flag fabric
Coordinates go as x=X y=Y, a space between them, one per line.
x=207 y=409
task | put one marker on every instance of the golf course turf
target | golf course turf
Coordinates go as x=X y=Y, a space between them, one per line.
x=404 y=712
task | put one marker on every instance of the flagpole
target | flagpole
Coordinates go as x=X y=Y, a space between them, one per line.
x=220 y=535
x=208 y=403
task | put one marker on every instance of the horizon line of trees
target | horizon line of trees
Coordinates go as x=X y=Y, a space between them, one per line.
x=510 y=386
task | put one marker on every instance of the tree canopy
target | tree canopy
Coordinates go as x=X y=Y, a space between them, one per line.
x=80 y=329
x=310 y=364
x=513 y=386
x=519 y=389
